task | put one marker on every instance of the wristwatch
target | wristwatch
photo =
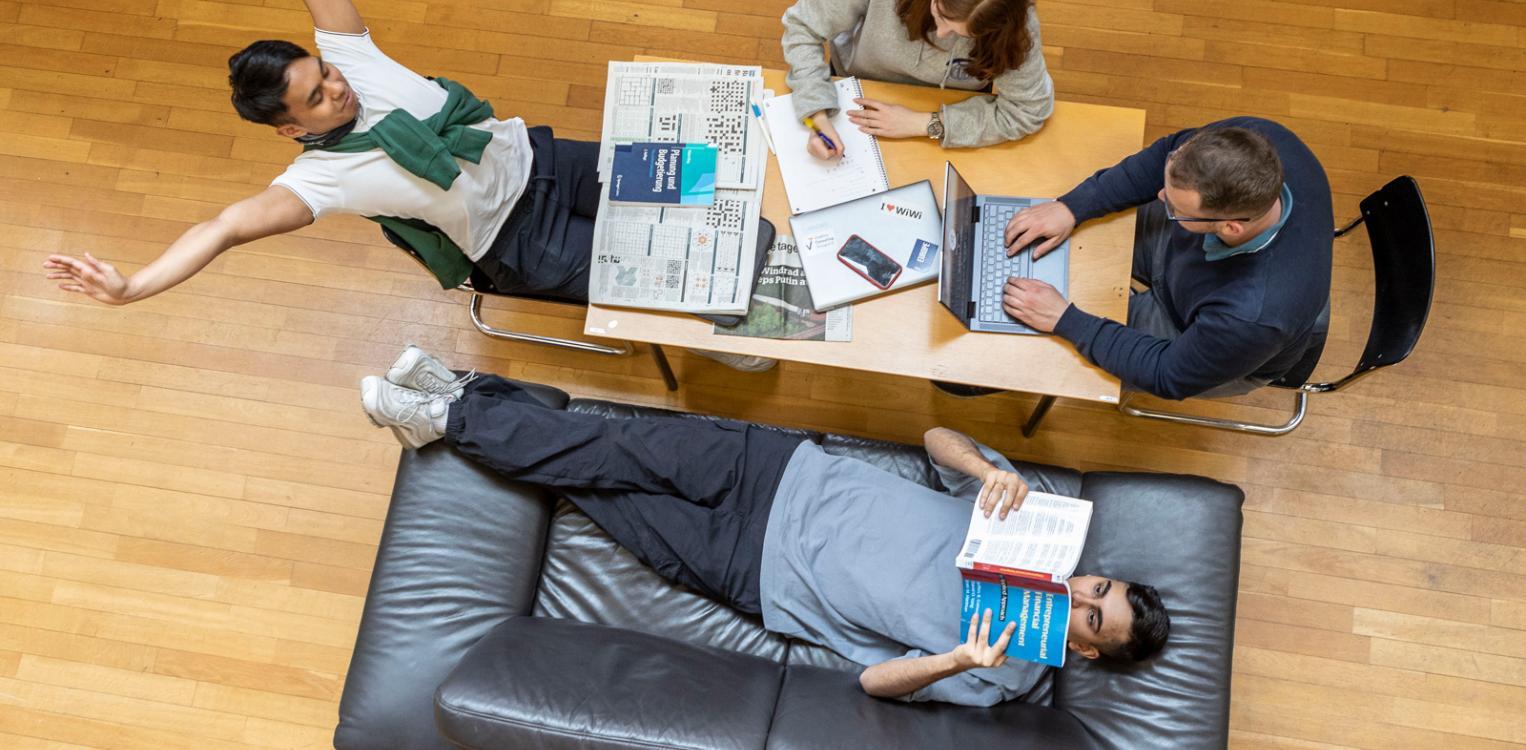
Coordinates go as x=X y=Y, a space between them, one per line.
x=935 y=127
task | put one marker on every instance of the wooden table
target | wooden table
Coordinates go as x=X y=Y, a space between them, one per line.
x=907 y=332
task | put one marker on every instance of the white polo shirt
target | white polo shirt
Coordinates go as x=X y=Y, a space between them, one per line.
x=371 y=184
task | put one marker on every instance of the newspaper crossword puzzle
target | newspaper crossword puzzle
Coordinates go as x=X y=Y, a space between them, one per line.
x=694 y=258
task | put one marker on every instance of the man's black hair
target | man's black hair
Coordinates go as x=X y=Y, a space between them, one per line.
x=1151 y=624
x=258 y=77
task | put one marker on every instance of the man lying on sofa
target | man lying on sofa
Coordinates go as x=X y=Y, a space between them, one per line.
x=827 y=549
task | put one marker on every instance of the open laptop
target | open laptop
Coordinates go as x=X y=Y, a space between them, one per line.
x=975 y=262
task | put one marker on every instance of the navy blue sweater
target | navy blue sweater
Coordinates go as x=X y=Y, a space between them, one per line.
x=1249 y=314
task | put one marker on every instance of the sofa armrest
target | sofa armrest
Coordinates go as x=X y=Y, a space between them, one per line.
x=1180 y=534
x=460 y=553
x=550 y=683
x=826 y=708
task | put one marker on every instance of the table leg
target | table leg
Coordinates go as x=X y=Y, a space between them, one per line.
x=666 y=369
x=1039 y=410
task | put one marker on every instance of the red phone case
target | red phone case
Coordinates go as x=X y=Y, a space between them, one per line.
x=865 y=276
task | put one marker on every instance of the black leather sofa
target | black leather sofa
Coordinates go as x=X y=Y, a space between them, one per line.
x=500 y=617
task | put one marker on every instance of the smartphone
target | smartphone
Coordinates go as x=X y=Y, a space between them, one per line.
x=867 y=261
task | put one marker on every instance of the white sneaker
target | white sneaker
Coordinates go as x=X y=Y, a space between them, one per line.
x=416 y=370
x=416 y=418
x=741 y=362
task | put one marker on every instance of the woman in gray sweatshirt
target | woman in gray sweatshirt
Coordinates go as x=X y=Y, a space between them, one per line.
x=960 y=44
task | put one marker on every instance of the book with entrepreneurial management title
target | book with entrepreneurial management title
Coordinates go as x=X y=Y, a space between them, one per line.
x=664 y=174
x=1018 y=568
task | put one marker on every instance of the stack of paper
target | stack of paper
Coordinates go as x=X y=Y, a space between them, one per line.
x=698 y=259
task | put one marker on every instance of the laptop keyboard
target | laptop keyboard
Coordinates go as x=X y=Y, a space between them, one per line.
x=995 y=266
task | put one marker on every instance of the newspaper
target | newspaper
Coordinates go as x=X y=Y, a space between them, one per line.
x=698 y=259
x=1045 y=536
x=692 y=259
x=782 y=303
x=687 y=103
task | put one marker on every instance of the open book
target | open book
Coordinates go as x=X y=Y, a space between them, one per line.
x=1018 y=567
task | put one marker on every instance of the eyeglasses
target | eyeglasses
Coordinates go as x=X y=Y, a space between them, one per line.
x=1171 y=214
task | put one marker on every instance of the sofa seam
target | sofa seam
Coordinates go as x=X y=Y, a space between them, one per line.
x=564 y=732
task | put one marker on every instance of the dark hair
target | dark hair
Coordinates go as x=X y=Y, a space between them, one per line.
x=998 y=27
x=1151 y=627
x=1234 y=170
x=258 y=77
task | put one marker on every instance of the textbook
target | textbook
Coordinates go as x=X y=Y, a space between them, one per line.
x=1018 y=568
x=664 y=174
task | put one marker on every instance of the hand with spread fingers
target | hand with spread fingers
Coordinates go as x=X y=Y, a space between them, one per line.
x=89 y=276
x=1034 y=302
x=885 y=120
x=1001 y=492
x=1052 y=220
x=977 y=651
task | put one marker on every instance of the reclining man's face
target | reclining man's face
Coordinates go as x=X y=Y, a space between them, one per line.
x=1100 y=615
x=318 y=98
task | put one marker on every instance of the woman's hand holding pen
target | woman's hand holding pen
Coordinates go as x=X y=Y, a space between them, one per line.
x=817 y=145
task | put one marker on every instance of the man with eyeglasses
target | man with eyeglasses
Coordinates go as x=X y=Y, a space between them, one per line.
x=1233 y=240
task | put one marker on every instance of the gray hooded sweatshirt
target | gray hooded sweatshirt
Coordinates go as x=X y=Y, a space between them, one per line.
x=869 y=41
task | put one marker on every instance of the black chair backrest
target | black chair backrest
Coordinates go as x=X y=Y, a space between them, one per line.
x=1404 y=264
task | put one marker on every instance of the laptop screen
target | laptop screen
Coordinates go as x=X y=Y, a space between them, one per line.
x=958 y=236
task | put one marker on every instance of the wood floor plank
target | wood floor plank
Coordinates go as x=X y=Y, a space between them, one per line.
x=192 y=499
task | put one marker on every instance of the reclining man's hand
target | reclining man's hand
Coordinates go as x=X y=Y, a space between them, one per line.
x=1053 y=220
x=977 y=652
x=1001 y=491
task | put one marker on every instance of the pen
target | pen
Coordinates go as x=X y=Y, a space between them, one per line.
x=757 y=112
x=811 y=123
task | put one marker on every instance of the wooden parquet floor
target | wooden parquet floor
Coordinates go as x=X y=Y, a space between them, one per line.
x=190 y=499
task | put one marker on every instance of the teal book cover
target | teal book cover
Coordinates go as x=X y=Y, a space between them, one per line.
x=664 y=174
x=1040 y=608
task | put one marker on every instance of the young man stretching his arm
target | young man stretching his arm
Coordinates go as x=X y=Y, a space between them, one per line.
x=827 y=549
x=426 y=157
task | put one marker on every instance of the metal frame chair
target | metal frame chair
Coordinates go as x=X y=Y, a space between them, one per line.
x=1404 y=263
x=479 y=285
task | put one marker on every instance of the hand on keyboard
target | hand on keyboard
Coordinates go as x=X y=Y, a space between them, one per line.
x=1035 y=303
x=1053 y=220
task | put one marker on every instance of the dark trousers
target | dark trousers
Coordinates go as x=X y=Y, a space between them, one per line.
x=546 y=245
x=689 y=497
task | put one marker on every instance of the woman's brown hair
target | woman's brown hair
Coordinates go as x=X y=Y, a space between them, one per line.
x=998 y=27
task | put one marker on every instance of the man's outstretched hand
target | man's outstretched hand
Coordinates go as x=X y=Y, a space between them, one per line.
x=977 y=652
x=89 y=276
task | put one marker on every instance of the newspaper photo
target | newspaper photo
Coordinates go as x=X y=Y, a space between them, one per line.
x=781 y=303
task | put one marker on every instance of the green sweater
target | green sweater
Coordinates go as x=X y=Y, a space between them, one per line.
x=429 y=148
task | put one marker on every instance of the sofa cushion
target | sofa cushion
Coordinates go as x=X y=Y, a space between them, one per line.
x=824 y=708
x=590 y=578
x=550 y=683
x=459 y=553
x=1181 y=535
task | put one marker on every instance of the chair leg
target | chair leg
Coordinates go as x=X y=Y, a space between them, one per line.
x=498 y=333
x=666 y=369
x=1300 y=407
x=1039 y=410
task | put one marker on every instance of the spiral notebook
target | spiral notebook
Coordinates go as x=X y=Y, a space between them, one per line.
x=811 y=183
